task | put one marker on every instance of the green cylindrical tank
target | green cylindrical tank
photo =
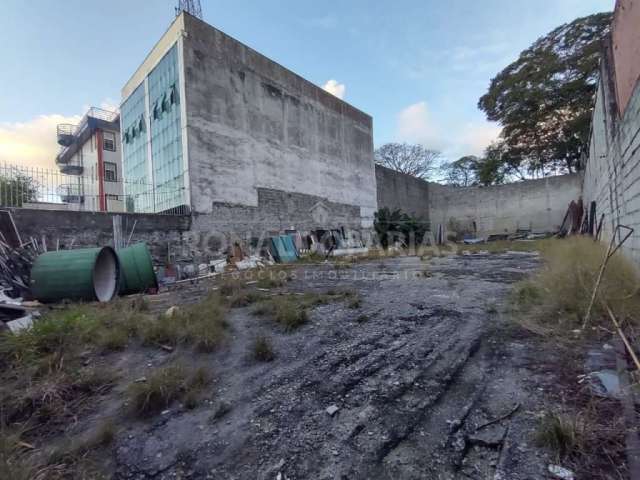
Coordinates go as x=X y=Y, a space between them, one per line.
x=80 y=274
x=136 y=269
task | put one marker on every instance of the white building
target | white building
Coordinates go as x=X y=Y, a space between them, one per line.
x=91 y=161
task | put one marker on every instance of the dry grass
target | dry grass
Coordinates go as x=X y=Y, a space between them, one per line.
x=555 y=300
x=166 y=385
x=202 y=325
x=561 y=433
x=244 y=298
x=156 y=394
x=502 y=246
x=50 y=372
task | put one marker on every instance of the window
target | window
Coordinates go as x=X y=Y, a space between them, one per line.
x=110 y=172
x=109 y=142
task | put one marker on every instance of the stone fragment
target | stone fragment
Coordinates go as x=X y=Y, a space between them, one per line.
x=332 y=410
x=561 y=472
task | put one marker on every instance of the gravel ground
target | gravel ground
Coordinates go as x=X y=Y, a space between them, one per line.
x=423 y=362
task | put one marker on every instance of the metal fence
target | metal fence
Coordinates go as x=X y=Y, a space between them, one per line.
x=48 y=189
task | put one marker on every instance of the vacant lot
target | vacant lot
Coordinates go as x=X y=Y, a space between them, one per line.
x=393 y=368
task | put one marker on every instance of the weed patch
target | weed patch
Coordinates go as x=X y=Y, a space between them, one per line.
x=561 y=433
x=166 y=385
x=261 y=349
x=556 y=298
x=202 y=325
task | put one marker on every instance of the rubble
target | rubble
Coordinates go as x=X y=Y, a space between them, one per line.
x=561 y=472
x=332 y=410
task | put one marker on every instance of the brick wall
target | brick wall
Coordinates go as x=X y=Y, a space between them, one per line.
x=163 y=234
x=612 y=173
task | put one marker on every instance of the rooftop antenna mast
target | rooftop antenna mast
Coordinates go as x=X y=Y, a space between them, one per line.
x=192 y=7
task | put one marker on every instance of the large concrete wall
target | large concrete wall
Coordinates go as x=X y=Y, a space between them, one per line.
x=612 y=173
x=537 y=205
x=252 y=125
x=166 y=235
x=399 y=190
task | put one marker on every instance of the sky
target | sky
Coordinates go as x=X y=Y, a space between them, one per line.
x=418 y=67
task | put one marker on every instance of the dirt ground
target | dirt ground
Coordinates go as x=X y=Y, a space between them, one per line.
x=426 y=374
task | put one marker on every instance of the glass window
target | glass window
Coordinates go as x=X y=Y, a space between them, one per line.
x=137 y=187
x=166 y=134
x=109 y=141
x=156 y=183
x=110 y=172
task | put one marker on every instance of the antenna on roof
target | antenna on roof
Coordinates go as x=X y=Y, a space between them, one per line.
x=192 y=7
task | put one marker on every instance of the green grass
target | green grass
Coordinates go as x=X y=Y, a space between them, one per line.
x=285 y=310
x=158 y=392
x=292 y=310
x=261 y=349
x=202 y=325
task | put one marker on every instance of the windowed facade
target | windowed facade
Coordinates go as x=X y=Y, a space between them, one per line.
x=153 y=161
x=109 y=141
x=110 y=172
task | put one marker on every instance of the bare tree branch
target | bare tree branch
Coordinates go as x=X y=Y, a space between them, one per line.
x=414 y=160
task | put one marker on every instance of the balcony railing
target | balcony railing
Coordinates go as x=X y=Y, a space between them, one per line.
x=66 y=134
x=102 y=114
x=26 y=186
x=71 y=193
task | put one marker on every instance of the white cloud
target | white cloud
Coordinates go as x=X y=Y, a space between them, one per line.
x=34 y=143
x=416 y=124
x=335 y=88
x=475 y=137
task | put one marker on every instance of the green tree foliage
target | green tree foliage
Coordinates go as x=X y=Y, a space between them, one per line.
x=391 y=225
x=462 y=172
x=544 y=99
x=17 y=189
x=413 y=160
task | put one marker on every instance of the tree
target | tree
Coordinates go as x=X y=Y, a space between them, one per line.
x=463 y=172
x=544 y=99
x=17 y=189
x=414 y=160
x=391 y=225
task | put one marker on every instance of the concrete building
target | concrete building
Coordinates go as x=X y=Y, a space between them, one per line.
x=212 y=126
x=91 y=162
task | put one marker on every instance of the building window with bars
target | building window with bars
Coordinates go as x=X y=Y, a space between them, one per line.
x=109 y=142
x=110 y=172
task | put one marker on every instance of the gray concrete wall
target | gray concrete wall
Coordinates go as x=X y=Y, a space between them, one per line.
x=163 y=234
x=612 y=173
x=538 y=205
x=399 y=190
x=253 y=125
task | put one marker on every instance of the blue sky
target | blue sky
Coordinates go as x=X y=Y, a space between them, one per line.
x=418 y=67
